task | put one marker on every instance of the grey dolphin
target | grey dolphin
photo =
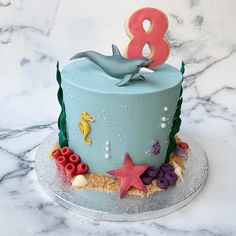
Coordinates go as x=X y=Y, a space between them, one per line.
x=117 y=66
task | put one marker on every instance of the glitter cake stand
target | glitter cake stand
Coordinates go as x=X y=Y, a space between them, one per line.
x=107 y=206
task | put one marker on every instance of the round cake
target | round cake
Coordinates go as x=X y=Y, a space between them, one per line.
x=104 y=121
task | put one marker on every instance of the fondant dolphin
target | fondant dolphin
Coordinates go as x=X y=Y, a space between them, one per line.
x=117 y=66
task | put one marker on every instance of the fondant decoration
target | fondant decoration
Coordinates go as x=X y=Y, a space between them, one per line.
x=176 y=121
x=69 y=164
x=155 y=148
x=79 y=181
x=163 y=125
x=66 y=152
x=70 y=170
x=178 y=159
x=166 y=167
x=162 y=183
x=171 y=177
x=63 y=140
x=61 y=163
x=82 y=168
x=180 y=152
x=116 y=65
x=154 y=37
x=55 y=148
x=56 y=153
x=152 y=172
x=129 y=175
x=179 y=171
x=146 y=179
x=160 y=173
x=183 y=145
x=89 y=83
x=85 y=127
x=74 y=159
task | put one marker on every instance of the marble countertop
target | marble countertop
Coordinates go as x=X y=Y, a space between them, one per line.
x=34 y=34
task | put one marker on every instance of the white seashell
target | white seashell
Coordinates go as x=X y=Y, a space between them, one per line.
x=79 y=181
x=178 y=171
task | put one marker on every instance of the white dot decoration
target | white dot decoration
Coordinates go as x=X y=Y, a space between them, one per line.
x=166 y=141
x=99 y=115
x=163 y=125
x=107 y=156
x=107 y=149
x=165 y=108
x=125 y=106
x=103 y=111
x=163 y=118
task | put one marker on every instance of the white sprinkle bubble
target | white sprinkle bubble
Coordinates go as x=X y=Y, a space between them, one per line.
x=163 y=118
x=163 y=125
x=107 y=156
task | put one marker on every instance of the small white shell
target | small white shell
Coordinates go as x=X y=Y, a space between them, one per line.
x=79 y=181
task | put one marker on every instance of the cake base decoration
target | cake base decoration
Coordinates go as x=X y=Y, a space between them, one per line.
x=105 y=204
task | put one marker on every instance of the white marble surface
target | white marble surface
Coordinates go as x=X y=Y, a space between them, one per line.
x=34 y=34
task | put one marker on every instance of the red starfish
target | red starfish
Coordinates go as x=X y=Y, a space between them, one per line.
x=129 y=175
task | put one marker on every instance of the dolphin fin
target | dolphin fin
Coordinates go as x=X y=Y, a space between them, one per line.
x=125 y=80
x=115 y=50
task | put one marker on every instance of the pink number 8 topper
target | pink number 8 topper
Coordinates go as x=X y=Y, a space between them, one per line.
x=154 y=37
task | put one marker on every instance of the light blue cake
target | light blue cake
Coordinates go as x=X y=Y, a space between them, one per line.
x=135 y=119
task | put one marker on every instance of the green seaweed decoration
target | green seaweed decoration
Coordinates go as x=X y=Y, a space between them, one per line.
x=63 y=140
x=176 y=121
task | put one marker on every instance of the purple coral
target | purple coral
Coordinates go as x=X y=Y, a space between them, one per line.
x=181 y=153
x=155 y=148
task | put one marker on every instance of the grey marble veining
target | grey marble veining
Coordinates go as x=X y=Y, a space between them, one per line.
x=34 y=34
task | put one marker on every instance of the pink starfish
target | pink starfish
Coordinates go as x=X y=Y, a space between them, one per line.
x=129 y=175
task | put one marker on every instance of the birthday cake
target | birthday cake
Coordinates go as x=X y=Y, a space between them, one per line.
x=120 y=115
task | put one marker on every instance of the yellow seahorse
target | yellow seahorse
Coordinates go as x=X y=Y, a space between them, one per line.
x=85 y=127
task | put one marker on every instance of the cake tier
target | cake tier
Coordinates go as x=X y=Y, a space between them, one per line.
x=135 y=118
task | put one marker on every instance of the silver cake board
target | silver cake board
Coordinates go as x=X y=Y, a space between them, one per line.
x=108 y=206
